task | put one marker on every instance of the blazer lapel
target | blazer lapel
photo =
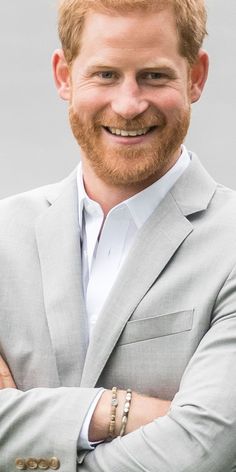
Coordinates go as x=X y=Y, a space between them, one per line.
x=58 y=242
x=156 y=243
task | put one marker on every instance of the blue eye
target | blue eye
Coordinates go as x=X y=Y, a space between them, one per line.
x=106 y=75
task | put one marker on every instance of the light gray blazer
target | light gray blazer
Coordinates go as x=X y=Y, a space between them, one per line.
x=168 y=329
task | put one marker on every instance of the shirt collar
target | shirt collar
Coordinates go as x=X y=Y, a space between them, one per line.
x=141 y=205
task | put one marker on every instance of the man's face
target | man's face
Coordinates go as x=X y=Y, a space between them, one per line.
x=130 y=100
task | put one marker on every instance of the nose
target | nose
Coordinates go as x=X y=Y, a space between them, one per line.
x=129 y=100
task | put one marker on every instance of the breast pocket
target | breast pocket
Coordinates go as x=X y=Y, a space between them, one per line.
x=157 y=326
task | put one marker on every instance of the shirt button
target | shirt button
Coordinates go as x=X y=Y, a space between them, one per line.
x=43 y=464
x=20 y=464
x=54 y=463
x=32 y=463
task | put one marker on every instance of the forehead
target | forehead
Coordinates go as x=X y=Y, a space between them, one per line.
x=136 y=30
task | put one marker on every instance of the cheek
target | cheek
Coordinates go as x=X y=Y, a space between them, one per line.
x=169 y=100
x=89 y=102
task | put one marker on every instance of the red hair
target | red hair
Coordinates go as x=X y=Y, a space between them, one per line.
x=190 y=17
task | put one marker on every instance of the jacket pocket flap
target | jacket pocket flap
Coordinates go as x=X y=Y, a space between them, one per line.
x=157 y=326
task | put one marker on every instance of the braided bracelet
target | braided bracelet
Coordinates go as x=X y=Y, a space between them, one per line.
x=126 y=410
x=114 y=404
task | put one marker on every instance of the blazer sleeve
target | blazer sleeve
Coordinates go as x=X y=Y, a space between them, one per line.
x=198 y=434
x=42 y=423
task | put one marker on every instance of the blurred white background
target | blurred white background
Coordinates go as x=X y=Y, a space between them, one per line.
x=36 y=145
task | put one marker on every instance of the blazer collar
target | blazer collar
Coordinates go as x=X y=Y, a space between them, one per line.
x=195 y=188
x=192 y=191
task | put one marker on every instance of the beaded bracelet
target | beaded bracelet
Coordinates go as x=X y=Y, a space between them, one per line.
x=114 y=404
x=126 y=410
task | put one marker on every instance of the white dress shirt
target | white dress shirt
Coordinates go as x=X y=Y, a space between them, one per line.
x=105 y=244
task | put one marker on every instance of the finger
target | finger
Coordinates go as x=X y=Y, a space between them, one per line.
x=6 y=379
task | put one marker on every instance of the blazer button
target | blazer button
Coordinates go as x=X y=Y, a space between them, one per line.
x=32 y=463
x=20 y=464
x=54 y=463
x=43 y=464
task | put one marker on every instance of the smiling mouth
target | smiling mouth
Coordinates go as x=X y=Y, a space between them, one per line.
x=129 y=133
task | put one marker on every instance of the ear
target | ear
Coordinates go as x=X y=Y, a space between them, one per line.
x=61 y=72
x=198 y=76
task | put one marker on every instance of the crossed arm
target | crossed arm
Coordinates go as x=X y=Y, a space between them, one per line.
x=195 y=434
x=143 y=409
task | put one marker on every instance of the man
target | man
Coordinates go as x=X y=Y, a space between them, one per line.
x=123 y=275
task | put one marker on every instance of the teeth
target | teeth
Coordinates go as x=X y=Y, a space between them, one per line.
x=122 y=132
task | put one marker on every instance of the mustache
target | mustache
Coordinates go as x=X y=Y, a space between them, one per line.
x=146 y=120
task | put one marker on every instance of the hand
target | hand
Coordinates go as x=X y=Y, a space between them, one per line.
x=6 y=379
x=143 y=410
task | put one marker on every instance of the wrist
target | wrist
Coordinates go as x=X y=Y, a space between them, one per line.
x=98 y=428
x=142 y=410
x=100 y=421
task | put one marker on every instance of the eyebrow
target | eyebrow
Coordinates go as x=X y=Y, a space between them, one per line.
x=98 y=66
x=151 y=67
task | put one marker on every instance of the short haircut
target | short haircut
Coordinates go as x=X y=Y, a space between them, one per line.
x=191 y=18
